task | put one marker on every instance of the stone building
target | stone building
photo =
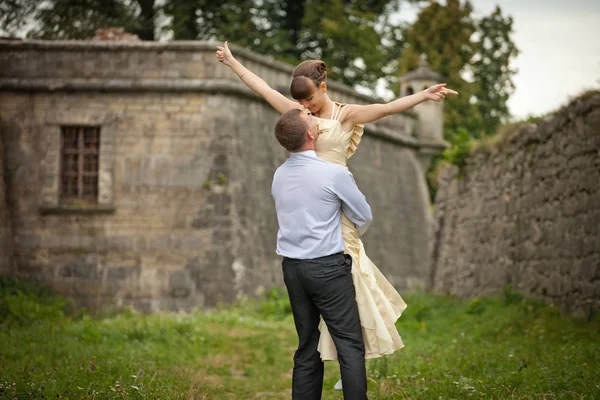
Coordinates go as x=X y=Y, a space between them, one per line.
x=139 y=174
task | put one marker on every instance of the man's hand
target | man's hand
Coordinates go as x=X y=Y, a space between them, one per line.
x=224 y=54
x=437 y=92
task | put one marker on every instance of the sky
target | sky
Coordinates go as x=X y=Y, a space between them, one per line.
x=559 y=43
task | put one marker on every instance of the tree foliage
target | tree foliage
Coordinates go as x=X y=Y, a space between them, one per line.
x=443 y=33
x=358 y=39
x=473 y=56
x=14 y=14
x=208 y=19
x=346 y=34
x=494 y=50
x=77 y=19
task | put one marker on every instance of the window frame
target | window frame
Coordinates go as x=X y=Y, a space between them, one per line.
x=82 y=171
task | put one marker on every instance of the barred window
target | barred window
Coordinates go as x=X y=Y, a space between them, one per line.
x=79 y=164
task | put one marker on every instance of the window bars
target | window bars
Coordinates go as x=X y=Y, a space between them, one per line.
x=80 y=151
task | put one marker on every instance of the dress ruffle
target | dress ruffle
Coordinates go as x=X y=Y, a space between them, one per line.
x=379 y=304
x=357 y=133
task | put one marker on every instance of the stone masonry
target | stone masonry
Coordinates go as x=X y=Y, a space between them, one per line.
x=184 y=215
x=526 y=212
x=6 y=238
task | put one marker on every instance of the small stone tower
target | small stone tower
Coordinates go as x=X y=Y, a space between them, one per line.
x=430 y=113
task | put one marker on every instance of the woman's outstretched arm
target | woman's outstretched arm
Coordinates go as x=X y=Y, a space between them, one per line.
x=362 y=114
x=254 y=82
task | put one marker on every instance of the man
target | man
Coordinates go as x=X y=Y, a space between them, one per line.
x=310 y=195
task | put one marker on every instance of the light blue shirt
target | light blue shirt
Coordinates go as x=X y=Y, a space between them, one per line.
x=310 y=195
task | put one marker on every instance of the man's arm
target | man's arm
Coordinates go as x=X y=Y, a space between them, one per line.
x=354 y=203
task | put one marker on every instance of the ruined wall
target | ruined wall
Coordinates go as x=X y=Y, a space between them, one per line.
x=184 y=215
x=526 y=212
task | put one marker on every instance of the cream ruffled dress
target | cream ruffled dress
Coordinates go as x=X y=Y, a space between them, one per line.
x=379 y=304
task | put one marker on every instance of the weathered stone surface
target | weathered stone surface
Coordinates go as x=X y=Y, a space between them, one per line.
x=187 y=156
x=527 y=214
x=6 y=235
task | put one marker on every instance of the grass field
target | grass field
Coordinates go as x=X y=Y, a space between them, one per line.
x=487 y=348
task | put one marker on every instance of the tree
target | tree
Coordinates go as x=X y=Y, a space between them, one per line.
x=473 y=56
x=146 y=19
x=443 y=33
x=346 y=34
x=494 y=51
x=207 y=19
x=14 y=14
x=279 y=24
x=357 y=38
x=78 y=19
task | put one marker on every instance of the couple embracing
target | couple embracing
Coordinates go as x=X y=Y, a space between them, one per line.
x=344 y=308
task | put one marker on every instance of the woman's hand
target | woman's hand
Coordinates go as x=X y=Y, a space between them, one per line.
x=255 y=83
x=437 y=92
x=224 y=55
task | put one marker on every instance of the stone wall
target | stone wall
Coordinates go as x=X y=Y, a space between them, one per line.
x=6 y=252
x=526 y=212
x=184 y=215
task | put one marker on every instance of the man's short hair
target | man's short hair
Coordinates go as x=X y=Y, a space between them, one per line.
x=290 y=130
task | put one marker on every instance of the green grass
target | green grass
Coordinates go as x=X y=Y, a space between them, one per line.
x=488 y=348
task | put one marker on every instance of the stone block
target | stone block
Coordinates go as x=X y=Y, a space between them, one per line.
x=122 y=273
x=180 y=284
x=80 y=269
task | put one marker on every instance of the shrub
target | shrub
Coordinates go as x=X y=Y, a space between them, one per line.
x=23 y=303
x=460 y=150
x=276 y=304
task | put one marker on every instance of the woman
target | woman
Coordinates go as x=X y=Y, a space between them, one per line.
x=341 y=127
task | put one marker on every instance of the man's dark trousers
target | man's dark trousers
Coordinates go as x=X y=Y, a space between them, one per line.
x=323 y=286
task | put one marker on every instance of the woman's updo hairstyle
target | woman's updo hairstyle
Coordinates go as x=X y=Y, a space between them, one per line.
x=306 y=71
